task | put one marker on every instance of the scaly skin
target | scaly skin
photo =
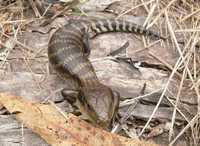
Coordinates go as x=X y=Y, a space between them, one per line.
x=68 y=51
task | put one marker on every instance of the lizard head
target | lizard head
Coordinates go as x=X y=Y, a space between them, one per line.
x=100 y=104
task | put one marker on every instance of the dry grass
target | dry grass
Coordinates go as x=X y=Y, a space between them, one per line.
x=176 y=18
x=185 y=14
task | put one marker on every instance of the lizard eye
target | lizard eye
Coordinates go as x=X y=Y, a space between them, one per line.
x=89 y=107
x=81 y=97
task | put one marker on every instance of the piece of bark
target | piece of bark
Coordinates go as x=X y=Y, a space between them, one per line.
x=58 y=130
x=12 y=133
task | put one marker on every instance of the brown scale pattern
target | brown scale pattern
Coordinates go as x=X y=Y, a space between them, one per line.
x=67 y=55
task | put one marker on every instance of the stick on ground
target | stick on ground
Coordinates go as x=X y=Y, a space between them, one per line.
x=57 y=130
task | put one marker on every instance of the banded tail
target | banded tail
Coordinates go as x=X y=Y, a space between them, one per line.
x=113 y=25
